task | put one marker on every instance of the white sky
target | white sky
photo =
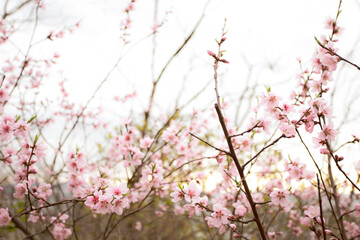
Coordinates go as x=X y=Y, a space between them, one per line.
x=263 y=31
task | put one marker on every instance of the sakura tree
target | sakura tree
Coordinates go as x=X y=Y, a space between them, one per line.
x=274 y=208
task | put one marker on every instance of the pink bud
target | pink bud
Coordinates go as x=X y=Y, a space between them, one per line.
x=211 y=53
x=224 y=61
x=328 y=232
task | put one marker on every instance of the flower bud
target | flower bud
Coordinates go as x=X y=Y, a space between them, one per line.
x=211 y=53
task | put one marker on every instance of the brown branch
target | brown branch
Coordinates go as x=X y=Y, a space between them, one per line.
x=216 y=64
x=188 y=162
x=272 y=219
x=336 y=197
x=155 y=82
x=218 y=149
x=339 y=167
x=125 y=216
x=20 y=225
x=241 y=172
x=321 y=209
x=348 y=142
x=341 y=230
x=7 y=14
x=263 y=149
x=247 y=131
x=335 y=54
x=47 y=206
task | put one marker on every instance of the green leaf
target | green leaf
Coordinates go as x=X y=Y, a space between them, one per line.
x=268 y=89
x=36 y=139
x=31 y=119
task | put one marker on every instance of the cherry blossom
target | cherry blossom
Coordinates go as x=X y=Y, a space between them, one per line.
x=288 y=130
x=328 y=132
x=219 y=216
x=312 y=212
x=192 y=192
x=4 y=217
x=177 y=195
x=280 y=197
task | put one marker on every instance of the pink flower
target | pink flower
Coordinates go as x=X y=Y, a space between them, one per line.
x=170 y=135
x=104 y=206
x=146 y=142
x=34 y=217
x=138 y=226
x=191 y=208
x=120 y=190
x=318 y=142
x=329 y=23
x=4 y=217
x=275 y=183
x=21 y=190
x=245 y=144
x=192 y=192
x=21 y=128
x=280 y=197
x=179 y=210
x=357 y=210
x=273 y=235
x=240 y=210
x=155 y=27
x=305 y=221
x=328 y=60
x=265 y=125
x=177 y=195
x=44 y=190
x=127 y=121
x=60 y=232
x=119 y=205
x=219 y=216
x=271 y=100
x=92 y=200
x=328 y=132
x=4 y=96
x=204 y=201
x=324 y=151
x=287 y=108
x=6 y=128
x=309 y=122
x=319 y=106
x=312 y=212
x=288 y=130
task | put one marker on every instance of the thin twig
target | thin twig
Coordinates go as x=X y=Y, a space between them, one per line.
x=263 y=149
x=335 y=54
x=321 y=209
x=247 y=131
x=218 y=149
